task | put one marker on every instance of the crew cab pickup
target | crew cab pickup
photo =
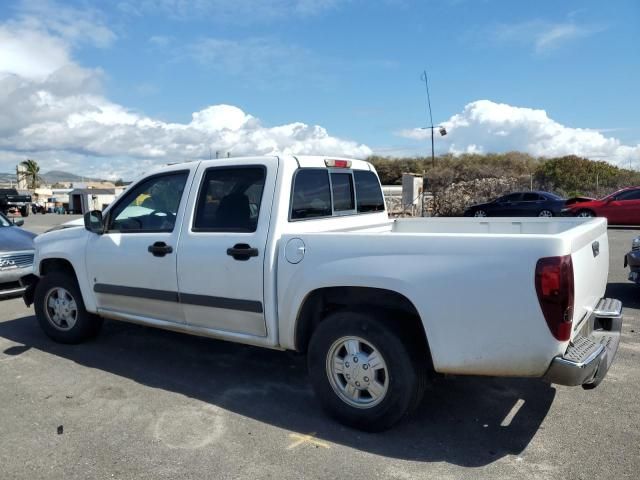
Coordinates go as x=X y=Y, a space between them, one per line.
x=298 y=253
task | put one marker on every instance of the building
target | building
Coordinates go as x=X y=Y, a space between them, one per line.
x=82 y=200
x=21 y=170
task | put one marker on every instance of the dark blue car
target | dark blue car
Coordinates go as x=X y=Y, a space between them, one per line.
x=519 y=204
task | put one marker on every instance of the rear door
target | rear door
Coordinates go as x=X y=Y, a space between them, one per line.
x=222 y=246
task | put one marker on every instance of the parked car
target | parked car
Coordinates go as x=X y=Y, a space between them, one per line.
x=632 y=260
x=16 y=256
x=620 y=208
x=298 y=253
x=13 y=201
x=519 y=204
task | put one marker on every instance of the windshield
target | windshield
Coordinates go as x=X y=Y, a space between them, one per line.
x=4 y=221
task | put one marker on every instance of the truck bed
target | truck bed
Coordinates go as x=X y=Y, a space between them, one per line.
x=471 y=280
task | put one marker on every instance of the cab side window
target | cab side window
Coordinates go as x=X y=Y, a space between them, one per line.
x=514 y=197
x=629 y=195
x=229 y=199
x=531 y=197
x=152 y=206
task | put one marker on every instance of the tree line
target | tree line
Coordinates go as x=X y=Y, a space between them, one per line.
x=567 y=176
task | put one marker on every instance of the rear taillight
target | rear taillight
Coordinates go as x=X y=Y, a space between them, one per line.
x=554 y=286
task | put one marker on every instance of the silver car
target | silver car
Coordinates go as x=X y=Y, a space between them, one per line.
x=16 y=256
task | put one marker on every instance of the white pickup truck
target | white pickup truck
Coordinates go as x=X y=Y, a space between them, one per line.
x=298 y=253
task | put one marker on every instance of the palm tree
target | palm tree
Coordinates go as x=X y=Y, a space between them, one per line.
x=30 y=172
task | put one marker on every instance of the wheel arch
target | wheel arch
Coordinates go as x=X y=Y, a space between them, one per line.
x=48 y=265
x=61 y=264
x=319 y=303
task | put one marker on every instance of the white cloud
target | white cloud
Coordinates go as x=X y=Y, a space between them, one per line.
x=545 y=36
x=486 y=126
x=557 y=34
x=66 y=23
x=53 y=110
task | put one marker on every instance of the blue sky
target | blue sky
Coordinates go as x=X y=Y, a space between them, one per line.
x=548 y=69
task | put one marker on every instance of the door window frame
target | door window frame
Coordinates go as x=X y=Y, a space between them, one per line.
x=127 y=192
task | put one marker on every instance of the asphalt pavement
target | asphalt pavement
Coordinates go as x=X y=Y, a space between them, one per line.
x=144 y=403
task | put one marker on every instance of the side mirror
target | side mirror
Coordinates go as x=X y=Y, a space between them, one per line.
x=93 y=222
x=18 y=223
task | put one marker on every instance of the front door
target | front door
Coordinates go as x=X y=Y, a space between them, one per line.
x=132 y=265
x=222 y=247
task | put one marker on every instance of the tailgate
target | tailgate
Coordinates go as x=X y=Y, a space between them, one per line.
x=590 y=258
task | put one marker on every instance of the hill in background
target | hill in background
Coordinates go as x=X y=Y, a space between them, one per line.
x=51 y=177
x=58 y=176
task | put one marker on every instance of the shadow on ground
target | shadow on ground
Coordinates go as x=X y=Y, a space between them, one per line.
x=628 y=293
x=461 y=421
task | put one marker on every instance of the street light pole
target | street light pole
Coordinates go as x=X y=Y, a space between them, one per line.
x=442 y=131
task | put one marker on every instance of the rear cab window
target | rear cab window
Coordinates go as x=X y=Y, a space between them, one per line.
x=323 y=192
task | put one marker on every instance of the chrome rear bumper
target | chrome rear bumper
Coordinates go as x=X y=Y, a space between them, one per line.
x=592 y=350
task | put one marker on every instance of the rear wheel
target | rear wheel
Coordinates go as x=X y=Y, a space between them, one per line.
x=545 y=213
x=480 y=213
x=585 y=213
x=366 y=374
x=60 y=310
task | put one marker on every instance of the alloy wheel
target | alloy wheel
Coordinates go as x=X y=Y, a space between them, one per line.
x=61 y=308
x=357 y=372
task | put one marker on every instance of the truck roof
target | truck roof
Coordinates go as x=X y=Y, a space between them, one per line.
x=302 y=161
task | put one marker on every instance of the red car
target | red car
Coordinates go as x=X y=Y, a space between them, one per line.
x=620 y=208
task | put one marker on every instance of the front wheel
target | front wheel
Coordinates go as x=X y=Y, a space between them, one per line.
x=60 y=309
x=24 y=211
x=480 y=213
x=366 y=374
x=545 y=213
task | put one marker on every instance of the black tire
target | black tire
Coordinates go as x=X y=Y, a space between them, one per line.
x=480 y=213
x=585 y=213
x=24 y=211
x=407 y=365
x=87 y=325
x=545 y=213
